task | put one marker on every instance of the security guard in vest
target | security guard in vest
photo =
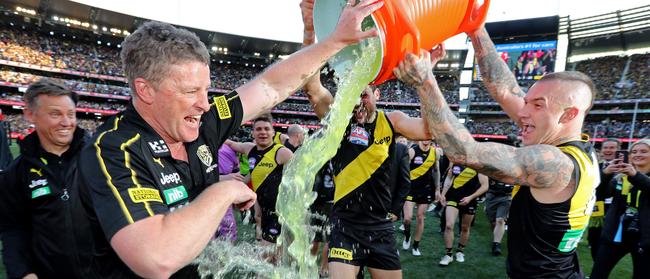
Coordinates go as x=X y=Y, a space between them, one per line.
x=266 y=160
x=425 y=187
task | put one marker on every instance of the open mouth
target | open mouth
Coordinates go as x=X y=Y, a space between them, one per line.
x=193 y=120
x=527 y=129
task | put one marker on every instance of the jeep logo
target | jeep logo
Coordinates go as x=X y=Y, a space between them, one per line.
x=383 y=140
x=266 y=165
x=39 y=182
x=169 y=178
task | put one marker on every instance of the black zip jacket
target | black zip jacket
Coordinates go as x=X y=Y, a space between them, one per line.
x=619 y=204
x=39 y=213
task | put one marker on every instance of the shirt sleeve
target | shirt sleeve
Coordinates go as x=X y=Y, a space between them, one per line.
x=122 y=190
x=224 y=117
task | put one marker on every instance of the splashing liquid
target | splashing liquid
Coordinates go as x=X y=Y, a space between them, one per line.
x=295 y=195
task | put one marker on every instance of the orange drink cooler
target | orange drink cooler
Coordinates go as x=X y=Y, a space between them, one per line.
x=405 y=26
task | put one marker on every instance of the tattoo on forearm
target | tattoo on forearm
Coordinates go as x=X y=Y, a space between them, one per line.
x=498 y=79
x=537 y=166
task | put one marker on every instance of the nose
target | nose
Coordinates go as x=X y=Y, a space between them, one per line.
x=68 y=120
x=203 y=102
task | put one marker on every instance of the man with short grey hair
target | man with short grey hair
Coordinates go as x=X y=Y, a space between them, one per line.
x=152 y=180
x=296 y=137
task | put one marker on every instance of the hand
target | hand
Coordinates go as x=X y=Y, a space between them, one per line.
x=393 y=217
x=613 y=166
x=30 y=276
x=414 y=70
x=436 y=197
x=242 y=196
x=464 y=201
x=348 y=30
x=627 y=169
x=307 y=10
x=443 y=200
x=232 y=176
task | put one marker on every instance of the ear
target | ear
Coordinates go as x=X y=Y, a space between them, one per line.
x=144 y=91
x=377 y=94
x=568 y=115
x=29 y=115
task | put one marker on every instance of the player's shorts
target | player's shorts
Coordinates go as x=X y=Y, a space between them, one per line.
x=320 y=223
x=453 y=199
x=420 y=196
x=270 y=226
x=497 y=206
x=367 y=247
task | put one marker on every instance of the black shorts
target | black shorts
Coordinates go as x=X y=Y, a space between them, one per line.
x=420 y=196
x=453 y=199
x=270 y=226
x=497 y=206
x=320 y=221
x=371 y=248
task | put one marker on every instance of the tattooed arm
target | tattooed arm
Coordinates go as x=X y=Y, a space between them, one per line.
x=539 y=166
x=496 y=75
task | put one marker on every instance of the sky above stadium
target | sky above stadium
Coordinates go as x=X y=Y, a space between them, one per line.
x=280 y=19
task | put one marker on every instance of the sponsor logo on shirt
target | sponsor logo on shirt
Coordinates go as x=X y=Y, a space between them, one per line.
x=383 y=140
x=169 y=178
x=340 y=253
x=158 y=147
x=36 y=171
x=266 y=165
x=359 y=136
x=139 y=195
x=251 y=163
x=41 y=192
x=418 y=160
x=37 y=183
x=222 y=107
x=175 y=194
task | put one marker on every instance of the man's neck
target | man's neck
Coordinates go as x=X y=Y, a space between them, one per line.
x=293 y=141
x=176 y=148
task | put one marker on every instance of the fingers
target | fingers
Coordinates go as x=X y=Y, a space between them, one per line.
x=369 y=8
x=369 y=34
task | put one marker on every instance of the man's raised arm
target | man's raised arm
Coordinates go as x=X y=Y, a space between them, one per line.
x=496 y=75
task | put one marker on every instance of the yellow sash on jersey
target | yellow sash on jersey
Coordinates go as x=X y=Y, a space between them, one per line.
x=465 y=176
x=428 y=163
x=357 y=172
x=584 y=197
x=277 y=138
x=264 y=167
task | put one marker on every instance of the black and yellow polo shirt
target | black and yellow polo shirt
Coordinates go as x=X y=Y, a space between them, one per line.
x=542 y=238
x=130 y=174
x=362 y=192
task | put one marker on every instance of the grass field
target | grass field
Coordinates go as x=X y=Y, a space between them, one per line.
x=479 y=262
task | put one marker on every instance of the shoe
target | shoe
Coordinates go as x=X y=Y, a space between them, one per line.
x=416 y=252
x=496 y=249
x=406 y=244
x=460 y=257
x=446 y=259
x=401 y=227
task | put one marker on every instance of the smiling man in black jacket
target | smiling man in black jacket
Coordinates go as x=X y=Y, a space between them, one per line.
x=35 y=205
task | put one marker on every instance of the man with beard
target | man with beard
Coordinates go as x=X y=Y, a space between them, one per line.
x=556 y=172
